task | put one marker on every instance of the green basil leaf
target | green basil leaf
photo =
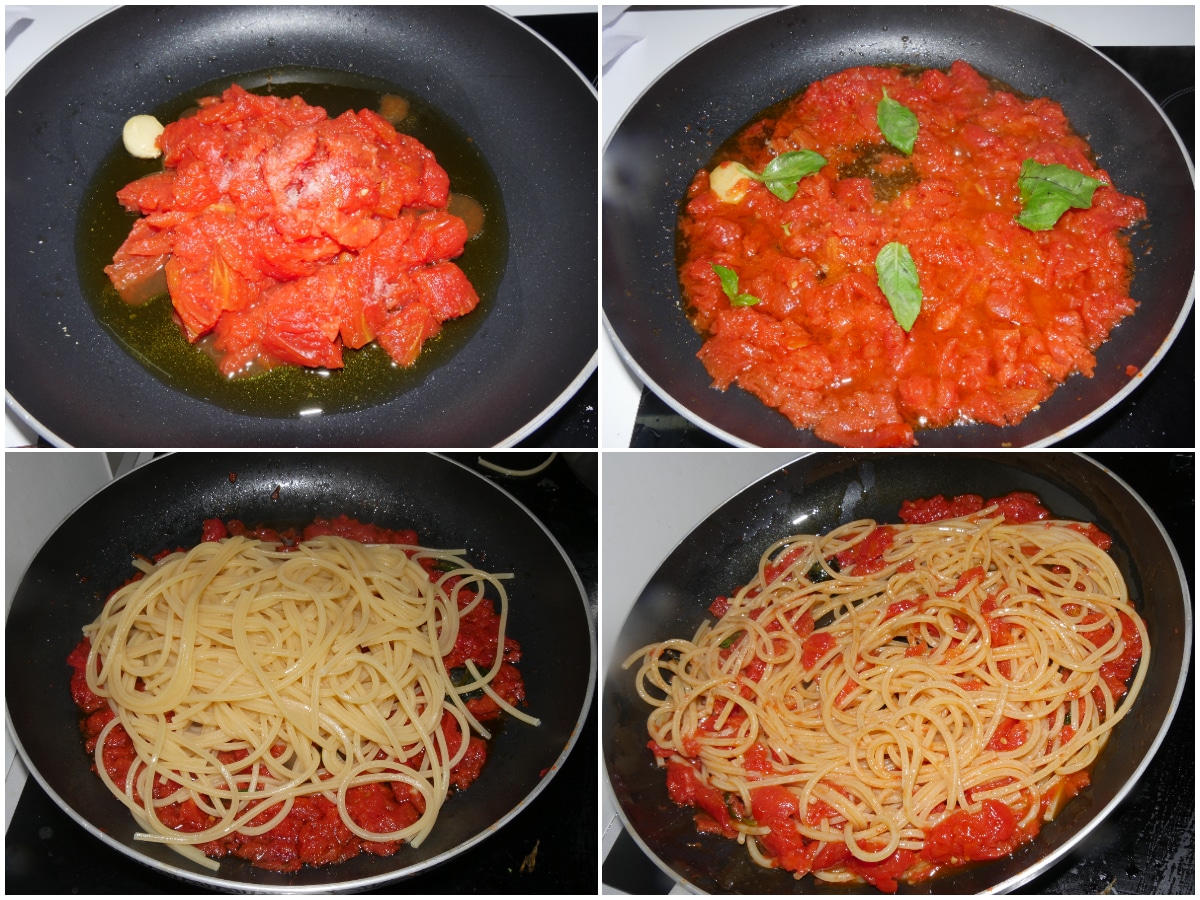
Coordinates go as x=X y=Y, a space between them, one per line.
x=731 y=640
x=897 y=275
x=1049 y=191
x=817 y=574
x=782 y=174
x=898 y=124
x=729 y=284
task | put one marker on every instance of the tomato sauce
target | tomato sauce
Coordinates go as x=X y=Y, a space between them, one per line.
x=289 y=236
x=312 y=833
x=1007 y=314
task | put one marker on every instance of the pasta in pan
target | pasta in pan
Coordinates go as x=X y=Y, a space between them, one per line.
x=885 y=702
x=248 y=677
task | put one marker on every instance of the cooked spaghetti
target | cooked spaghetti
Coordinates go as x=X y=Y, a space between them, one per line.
x=884 y=702
x=248 y=677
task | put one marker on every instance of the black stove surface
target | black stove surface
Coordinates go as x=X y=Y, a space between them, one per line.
x=1150 y=417
x=1147 y=845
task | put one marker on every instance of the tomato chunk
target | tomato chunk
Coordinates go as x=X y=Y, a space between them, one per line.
x=291 y=235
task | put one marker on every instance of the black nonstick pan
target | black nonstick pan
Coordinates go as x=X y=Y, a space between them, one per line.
x=677 y=124
x=822 y=491
x=529 y=113
x=162 y=505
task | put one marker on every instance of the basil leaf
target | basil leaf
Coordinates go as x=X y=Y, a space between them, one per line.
x=731 y=640
x=817 y=574
x=729 y=284
x=897 y=275
x=782 y=174
x=1049 y=191
x=898 y=123
x=746 y=819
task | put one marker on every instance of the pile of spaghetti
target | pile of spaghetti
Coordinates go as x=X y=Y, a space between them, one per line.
x=300 y=703
x=886 y=702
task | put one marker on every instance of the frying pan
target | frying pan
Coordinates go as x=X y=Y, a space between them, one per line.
x=162 y=504
x=532 y=116
x=822 y=491
x=676 y=125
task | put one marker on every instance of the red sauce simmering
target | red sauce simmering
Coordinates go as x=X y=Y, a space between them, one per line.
x=1007 y=315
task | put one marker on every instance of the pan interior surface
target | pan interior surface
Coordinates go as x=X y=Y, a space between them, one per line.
x=680 y=121
x=825 y=491
x=161 y=506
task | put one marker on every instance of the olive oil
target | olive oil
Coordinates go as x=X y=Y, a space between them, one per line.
x=149 y=332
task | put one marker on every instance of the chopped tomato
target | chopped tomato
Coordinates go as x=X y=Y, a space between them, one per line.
x=973 y=574
x=1020 y=507
x=686 y=789
x=1013 y=315
x=867 y=555
x=1093 y=534
x=963 y=836
x=1009 y=735
x=883 y=874
x=293 y=235
x=775 y=807
x=816 y=646
x=937 y=508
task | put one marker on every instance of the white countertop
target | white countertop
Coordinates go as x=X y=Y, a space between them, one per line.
x=668 y=35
